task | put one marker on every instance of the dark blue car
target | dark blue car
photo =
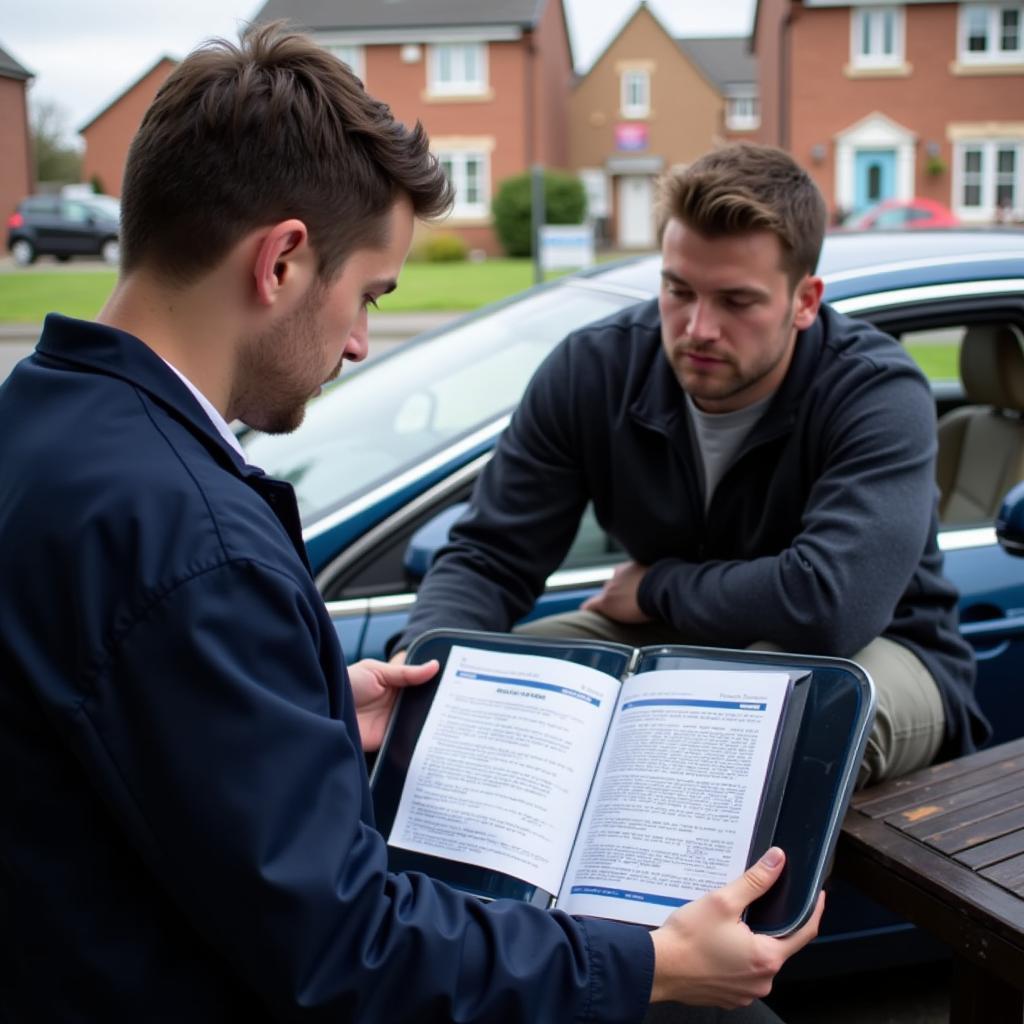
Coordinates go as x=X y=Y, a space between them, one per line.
x=387 y=454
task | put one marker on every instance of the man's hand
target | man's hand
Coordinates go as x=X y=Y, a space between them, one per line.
x=375 y=685
x=704 y=955
x=617 y=598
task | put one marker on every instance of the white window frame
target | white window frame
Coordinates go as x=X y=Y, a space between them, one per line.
x=353 y=55
x=873 y=19
x=457 y=83
x=456 y=164
x=738 y=119
x=629 y=105
x=994 y=53
x=988 y=177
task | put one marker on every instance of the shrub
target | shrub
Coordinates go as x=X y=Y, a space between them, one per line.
x=441 y=248
x=565 y=202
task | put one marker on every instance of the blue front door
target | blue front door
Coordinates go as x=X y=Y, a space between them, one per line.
x=875 y=177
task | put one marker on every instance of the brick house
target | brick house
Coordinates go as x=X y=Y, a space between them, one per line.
x=883 y=100
x=17 y=178
x=489 y=80
x=650 y=101
x=109 y=134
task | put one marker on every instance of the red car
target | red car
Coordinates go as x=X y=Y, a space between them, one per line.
x=903 y=213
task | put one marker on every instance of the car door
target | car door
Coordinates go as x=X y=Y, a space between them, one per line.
x=370 y=590
x=930 y=319
x=78 y=228
x=42 y=213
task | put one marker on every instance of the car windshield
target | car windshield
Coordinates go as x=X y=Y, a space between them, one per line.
x=397 y=411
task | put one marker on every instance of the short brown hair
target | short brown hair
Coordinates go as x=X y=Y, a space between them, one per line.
x=242 y=136
x=743 y=188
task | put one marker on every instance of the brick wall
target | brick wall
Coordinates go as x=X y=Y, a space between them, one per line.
x=16 y=180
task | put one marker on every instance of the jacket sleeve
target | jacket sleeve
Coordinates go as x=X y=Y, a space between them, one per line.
x=524 y=513
x=234 y=768
x=868 y=519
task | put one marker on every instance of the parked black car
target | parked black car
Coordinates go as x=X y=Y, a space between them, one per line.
x=64 y=227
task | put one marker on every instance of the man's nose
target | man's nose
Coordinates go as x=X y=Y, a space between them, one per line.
x=359 y=340
x=703 y=322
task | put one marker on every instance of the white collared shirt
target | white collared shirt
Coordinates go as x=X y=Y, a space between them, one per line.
x=215 y=417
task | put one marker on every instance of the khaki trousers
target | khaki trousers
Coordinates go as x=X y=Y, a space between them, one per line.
x=910 y=721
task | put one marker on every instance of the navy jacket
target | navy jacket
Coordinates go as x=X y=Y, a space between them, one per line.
x=820 y=536
x=185 y=824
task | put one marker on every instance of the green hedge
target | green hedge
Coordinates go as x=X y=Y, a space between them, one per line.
x=565 y=202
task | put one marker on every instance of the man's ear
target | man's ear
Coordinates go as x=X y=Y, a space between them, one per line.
x=807 y=301
x=283 y=259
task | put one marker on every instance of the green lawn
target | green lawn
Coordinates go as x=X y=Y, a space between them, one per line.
x=26 y=296
x=939 y=361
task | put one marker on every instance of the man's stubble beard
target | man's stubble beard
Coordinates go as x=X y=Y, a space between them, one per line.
x=278 y=371
x=724 y=391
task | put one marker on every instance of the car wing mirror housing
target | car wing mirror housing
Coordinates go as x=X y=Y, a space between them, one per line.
x=429 y=539
x=1010 y=521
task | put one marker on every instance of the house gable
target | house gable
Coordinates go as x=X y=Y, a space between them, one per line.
x=109 y=134
x=644 y=105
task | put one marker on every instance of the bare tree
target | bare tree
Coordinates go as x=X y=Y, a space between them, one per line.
x=54 y=157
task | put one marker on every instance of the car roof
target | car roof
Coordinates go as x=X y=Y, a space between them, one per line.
x=855 y=262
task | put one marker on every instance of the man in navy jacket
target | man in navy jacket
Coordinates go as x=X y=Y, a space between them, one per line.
x=186 y=830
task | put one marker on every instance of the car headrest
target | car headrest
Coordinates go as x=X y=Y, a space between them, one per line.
x=992 y=366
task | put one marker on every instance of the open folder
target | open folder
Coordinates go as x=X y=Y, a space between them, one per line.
x=619 y=782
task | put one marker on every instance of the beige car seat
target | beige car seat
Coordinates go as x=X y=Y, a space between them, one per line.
x=981 y=445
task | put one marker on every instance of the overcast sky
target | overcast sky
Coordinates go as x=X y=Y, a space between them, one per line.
x=85 y=52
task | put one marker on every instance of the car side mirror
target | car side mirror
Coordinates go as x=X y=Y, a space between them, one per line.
x=1010 y=521
x=429 y=539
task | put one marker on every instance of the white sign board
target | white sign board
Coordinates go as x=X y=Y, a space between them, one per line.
x=566 y=246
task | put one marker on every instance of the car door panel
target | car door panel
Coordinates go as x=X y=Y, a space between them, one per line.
x=991 y=585
x=349 y=619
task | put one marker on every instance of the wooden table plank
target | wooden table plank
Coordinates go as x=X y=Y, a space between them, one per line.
x=965 y=807
x=866 y=800
x=984 y=854
x=996 y=826
x=944 y=848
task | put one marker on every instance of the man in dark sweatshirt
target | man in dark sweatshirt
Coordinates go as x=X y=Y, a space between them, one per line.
x=767 y=465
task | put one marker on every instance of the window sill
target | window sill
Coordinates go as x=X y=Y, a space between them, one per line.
x=645 y=115
x=467 y=219
x=988 y=67
x=903 y=70
x=743 y=126
x=485 y=96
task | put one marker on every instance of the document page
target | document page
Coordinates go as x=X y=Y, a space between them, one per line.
x=500 y=774
x=673 y=808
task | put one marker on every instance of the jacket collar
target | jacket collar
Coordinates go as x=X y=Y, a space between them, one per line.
x=116 y=353
x=98 y=348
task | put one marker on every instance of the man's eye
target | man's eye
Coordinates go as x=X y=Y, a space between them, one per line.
x=369 y=300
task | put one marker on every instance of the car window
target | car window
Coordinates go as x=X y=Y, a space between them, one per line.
x=382 y=570
x=936 y=350
x=893 y=218
x=106 y=206
x=76 y=213
x=396 y=412
x=41 y=204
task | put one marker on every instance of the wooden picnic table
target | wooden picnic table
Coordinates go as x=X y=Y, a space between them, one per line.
x=944 y=848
